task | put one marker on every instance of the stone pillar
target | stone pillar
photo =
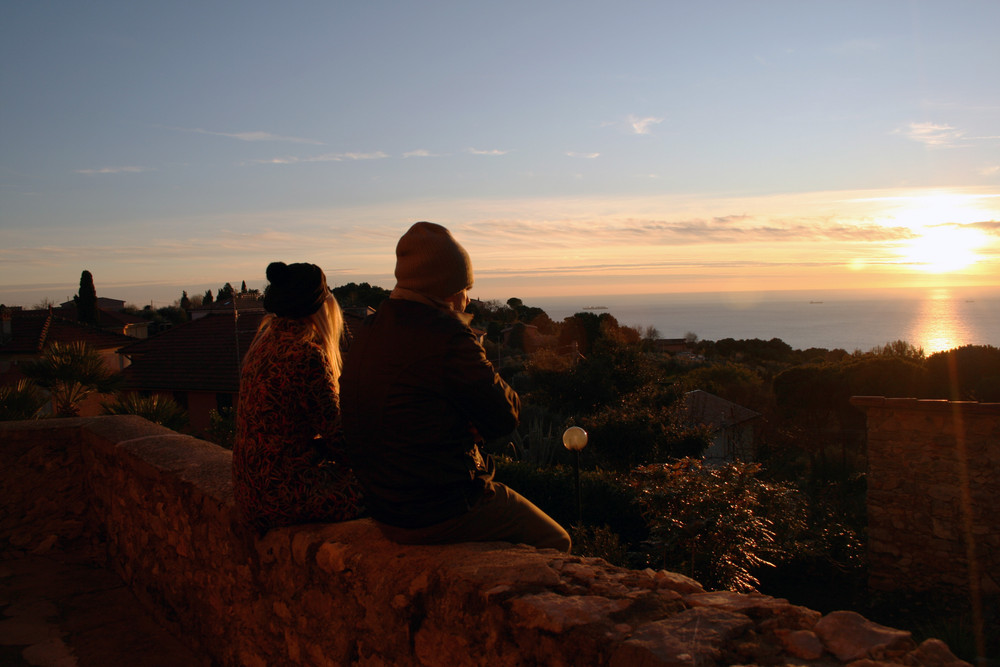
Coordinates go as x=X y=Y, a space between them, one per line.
x=933 y=495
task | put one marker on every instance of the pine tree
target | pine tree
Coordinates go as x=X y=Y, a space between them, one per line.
x=207 y=299
x=86 y=300
x=243 y=288
x=185 y=301
x=225 y=292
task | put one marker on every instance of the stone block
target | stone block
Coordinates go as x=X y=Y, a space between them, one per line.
x=850 y=636
x=803 y=644
x=933 y=653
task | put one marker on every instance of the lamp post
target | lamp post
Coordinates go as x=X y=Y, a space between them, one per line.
x=575 y=439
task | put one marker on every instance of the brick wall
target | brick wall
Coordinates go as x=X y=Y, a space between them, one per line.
x=933 y=495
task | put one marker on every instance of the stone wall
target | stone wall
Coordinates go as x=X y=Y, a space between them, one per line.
x=160 y=504
x=933 y=495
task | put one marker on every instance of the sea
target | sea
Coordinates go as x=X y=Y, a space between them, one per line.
x=934 y=319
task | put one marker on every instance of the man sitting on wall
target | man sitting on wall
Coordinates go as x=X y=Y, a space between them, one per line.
x=418 y=395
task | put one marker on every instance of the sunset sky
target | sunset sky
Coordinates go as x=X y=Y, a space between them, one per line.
x=573 y=147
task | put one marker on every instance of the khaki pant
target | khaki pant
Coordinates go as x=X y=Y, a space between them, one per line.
x=501 y=515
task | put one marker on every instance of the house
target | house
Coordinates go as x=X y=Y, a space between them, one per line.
x=198 y=363
x=103 y=303
x=109 y=319
x=24 y=335
x=731 y=425
x=239 y=302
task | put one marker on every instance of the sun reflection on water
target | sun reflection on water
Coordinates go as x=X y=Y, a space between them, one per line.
x=938 y=327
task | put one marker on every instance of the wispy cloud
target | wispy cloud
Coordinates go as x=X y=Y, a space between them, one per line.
x=250 y=136
x=493 y=151
x=643 y=125
x=988 y=226
x=735 y=228
x=935 y=135
x=698 y=264
x=325 y=157
x=420 y=152
x=589 y=156
x=377 y=155
x=114 y=170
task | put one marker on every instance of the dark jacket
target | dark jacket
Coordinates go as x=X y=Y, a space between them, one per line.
x=417 y=395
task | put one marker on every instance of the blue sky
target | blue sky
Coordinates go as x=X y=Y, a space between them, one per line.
x=585 y=147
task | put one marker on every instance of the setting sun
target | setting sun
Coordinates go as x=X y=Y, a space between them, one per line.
x=943 y=249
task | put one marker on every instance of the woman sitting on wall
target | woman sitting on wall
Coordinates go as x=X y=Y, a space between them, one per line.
x=288 y=458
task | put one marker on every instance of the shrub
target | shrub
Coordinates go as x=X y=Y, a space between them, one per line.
x=21 y=401
x=599 y=542
x=970 y=372
x=643 y=428
x=161 y=410
x=222 y=427
x=605 y=500
x=717 y=525
x=71 y=372
x=538 y=440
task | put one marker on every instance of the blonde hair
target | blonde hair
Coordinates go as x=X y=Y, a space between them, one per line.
x=325 y=327
x=328 y=323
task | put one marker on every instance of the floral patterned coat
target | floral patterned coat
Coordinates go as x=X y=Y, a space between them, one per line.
x=289 y=465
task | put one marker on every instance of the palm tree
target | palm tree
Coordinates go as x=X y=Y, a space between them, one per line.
x=21 y=401
x=161 y=410
x=71 y=372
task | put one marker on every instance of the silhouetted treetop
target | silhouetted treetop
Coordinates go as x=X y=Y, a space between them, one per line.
x=354 y=295
x=86 y=300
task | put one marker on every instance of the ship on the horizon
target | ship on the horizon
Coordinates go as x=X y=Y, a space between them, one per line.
x=595 y=307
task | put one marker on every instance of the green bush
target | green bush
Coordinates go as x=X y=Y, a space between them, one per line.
x=970 y=372
x=537 y=441
x=23 y=400
x=71 y=372
x=640 y=429
x=599 y=542
x=605 y=500
x=222 y=427
x=161 y=410
x=717 y=525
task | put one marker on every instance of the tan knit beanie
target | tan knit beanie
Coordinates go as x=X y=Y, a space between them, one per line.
x=430 y=261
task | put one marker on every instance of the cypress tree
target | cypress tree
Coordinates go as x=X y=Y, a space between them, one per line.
x=86 y=300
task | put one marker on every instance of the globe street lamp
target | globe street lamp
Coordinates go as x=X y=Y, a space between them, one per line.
x=575 y=439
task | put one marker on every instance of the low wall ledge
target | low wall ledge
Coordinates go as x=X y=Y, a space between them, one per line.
x=339 y=594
